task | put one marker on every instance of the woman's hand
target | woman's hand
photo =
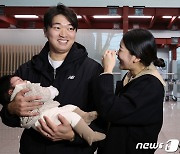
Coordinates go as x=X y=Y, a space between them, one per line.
x=109 y=61
x=54 y=132
x=22 y=105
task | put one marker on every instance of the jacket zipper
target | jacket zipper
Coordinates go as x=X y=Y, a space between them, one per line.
x=54 y=73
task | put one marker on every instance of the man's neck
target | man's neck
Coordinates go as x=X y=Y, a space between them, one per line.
x=58 y=56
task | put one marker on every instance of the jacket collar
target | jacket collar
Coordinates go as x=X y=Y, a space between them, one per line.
x=77 y=52
x=151 y=69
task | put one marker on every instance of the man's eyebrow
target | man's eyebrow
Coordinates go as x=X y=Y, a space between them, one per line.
x=57 y=23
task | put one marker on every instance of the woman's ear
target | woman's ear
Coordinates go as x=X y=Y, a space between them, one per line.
x=136 y=59
x=10 y=91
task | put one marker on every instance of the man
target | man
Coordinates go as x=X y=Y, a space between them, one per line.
x=64 y=64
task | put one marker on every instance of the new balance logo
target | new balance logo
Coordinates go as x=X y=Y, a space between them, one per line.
x=71 y=77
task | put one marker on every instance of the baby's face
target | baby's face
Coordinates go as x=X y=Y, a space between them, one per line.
x=16 y=80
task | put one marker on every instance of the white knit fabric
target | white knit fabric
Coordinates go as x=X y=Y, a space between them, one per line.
x=49 y=108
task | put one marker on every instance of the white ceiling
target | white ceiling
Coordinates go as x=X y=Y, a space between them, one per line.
x=93 y=3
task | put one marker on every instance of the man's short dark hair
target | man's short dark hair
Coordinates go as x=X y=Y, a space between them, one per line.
x=63 y=10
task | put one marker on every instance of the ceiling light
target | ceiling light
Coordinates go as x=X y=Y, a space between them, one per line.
x=139 y=10
x=179 y=17
x=26 y=16
x=174 y=40
x=113 y=10
x=106 y=16
x=167 y=17
x=140 y=17
x=79 y=17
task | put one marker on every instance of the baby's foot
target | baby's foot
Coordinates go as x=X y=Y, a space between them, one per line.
x=97 y=136
x=90 y=116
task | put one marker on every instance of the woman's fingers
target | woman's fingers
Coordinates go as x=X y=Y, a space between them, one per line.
x=110 y=52
x=109 y=60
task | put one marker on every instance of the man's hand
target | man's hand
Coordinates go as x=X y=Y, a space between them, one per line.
x=22 y=106
x=56 y=133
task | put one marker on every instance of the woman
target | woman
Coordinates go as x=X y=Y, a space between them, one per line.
x=135 y=111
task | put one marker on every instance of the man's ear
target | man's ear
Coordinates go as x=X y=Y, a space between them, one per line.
x=45 y=32
x=10 y=91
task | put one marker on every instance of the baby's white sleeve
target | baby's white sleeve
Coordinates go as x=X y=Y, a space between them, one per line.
x=54 y=91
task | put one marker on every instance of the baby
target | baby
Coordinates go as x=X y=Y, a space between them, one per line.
x=78 y=119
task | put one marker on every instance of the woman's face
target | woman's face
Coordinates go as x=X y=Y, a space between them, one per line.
x=126 y=60
x=16 y=80
x=61 y=35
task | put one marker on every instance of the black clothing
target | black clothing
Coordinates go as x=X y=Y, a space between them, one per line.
x=135 y=113
x=75 y=80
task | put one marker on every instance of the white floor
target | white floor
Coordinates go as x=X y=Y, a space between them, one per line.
x=9 y=137
x=171 y=125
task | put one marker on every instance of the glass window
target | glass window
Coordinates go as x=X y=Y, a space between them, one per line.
x=178 y=70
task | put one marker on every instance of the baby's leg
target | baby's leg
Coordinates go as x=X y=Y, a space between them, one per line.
x=81 y=127
x=52 y=114
x=87 y=133
x=87 y=116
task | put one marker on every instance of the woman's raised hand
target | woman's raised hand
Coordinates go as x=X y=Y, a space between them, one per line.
x=109 y=61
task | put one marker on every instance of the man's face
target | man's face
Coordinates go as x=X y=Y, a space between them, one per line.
x=61 y=35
